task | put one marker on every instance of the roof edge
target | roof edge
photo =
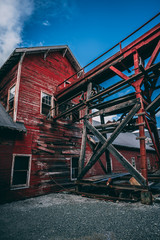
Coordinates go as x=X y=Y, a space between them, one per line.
x=16 y=54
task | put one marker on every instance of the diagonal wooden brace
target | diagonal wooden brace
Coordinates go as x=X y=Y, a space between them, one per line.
x=106 y=144
x=99 y=160
x=112 y=109
x=128 y=166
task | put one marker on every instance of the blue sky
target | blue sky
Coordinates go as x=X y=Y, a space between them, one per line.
x=88 y=27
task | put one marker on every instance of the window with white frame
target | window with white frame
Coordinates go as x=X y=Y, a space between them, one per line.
x=45 y=103
x=11 y=96
x=20 y=170
x=133 y=161
x=74 y=167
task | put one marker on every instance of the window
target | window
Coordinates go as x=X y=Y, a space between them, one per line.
x=45 y=103
x=20 y=170
x=75 y=115
x=11 y=97
x=148 y=163
x=133 y=161
x=74 y=168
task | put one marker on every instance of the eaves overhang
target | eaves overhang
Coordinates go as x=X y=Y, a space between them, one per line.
x=17 y=53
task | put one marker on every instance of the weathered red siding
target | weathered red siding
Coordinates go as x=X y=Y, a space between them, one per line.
x=8 y=81
x=40 y=75
x=128 y=154
x=50 y=170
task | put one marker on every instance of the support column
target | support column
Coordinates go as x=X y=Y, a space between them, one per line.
x=137 y=86
x=84 y=135
x=17 y=87
x=107 y=155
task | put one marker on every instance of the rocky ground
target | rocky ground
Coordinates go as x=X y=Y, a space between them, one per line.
x=64 y=216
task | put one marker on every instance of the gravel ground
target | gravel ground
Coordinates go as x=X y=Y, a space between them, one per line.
x=70 y=217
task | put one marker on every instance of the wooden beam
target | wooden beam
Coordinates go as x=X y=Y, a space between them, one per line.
x=119 y=73
x=107 y=155
x=110 y=110
x=114 y=101
x=114 y=186
x=128 y=166
x=123 y=82
x=106 y=142
x=121 y=159
x=17 y=87
x=104 y=197
x=154 y=55
x=154 y=104
x=153 y=141
x=77 y=106
x=84 y=136
x=99 y=160
x=110 y=90
x=110 y=124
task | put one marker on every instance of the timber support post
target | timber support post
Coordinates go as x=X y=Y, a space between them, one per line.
x=109 y=170
x=84 y=133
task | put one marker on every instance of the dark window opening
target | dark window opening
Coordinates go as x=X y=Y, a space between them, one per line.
x=74 y=170
x=75 y=116
x=20 y=171
x=46 y=103
x=63 y=108
x=148 y=164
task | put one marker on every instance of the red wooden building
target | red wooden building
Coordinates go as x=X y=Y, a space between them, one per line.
x=28 y=166
x=129 y=146
x=39 y=155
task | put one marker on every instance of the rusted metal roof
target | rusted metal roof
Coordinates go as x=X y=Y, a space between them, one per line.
x=17 y=53
x=6 y=121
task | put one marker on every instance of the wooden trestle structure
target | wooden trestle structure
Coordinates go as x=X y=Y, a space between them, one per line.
x=138 y=69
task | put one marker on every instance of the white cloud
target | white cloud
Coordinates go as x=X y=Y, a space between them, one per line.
x=108 y=118
x=111 y=118
x=46 y=23
x=13 y=15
